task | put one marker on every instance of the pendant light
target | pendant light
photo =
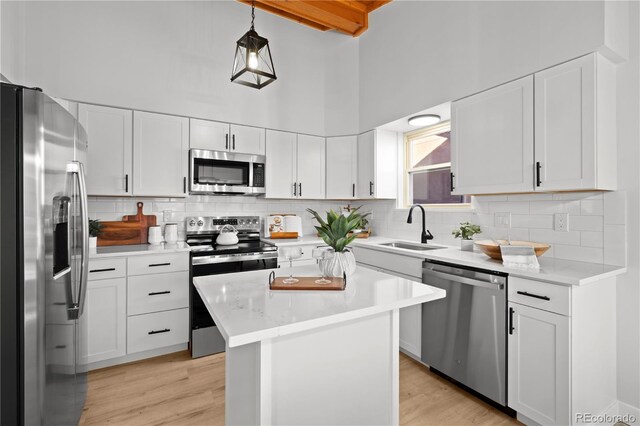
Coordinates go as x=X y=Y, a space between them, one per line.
x=253 y=65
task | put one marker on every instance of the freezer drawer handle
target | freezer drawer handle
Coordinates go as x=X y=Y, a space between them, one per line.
x=156 y=293
x=511 y=311
x=102 y=270
x=535 y=296
x=159 y=264
x=166 y=330
x=61 y=346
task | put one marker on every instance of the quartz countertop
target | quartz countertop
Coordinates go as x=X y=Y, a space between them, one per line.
x=136 y=249
x=246 y=310
x=302 y=241
x=558 y=271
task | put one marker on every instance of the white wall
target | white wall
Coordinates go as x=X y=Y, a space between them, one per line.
x=12 y=40
x=418 y=54
x=174 y=57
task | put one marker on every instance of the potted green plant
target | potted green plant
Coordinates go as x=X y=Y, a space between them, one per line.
x=466 y=231
x=335 y=233
x=95 y=229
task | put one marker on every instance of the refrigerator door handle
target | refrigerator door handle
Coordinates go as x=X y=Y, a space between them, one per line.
x=77 y=308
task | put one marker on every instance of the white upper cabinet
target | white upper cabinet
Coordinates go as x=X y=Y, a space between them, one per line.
x=295 y=166
x=575 y=132
x=217 y=136
x=342 y=167
x=247 y=140
x=109 y=157
x=377 y=165
x=492 y=140
x=498 y=147
x=209 y=135
x=311 y=167
x=280 y=164
x=160 y=151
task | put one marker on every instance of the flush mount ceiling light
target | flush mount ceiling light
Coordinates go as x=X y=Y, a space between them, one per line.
x=253 y=65
x=424 y=120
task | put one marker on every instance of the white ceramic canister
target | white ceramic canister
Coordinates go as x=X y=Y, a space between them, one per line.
x=155 y=235
x=171 y=233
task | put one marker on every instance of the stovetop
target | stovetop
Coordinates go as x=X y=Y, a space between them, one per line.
x=255 y=246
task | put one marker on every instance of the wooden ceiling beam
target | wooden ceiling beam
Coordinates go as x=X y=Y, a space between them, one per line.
x=347 y=16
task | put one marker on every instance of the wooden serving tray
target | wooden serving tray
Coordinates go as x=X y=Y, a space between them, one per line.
x=308 y=283
x=283 y=235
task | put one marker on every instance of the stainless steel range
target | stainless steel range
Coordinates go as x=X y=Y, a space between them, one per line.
x=209 y=258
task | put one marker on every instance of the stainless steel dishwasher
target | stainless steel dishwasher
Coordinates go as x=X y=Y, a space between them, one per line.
x=464 y=335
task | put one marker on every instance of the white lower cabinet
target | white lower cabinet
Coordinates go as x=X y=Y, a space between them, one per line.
x=106 y=308
x=561 y=350
x=539 y=373
x=156 y=330
x=135 y=304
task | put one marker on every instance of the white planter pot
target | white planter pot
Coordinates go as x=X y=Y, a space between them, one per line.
x=334 y=264
x=466 y=245
x=93 y=242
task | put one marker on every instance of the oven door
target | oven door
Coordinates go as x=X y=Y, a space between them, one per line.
x=222 y=172
x=205 y=339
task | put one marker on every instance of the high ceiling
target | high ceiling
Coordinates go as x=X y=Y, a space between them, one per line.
x=346 y=16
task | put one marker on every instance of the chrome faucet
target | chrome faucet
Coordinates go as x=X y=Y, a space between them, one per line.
x=426 y=234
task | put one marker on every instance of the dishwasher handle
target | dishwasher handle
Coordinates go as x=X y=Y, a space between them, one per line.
x=497 y=285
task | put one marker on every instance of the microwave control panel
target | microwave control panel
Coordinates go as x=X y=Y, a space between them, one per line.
x=258 y=174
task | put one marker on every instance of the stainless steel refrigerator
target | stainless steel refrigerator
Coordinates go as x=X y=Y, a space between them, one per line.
x=44 y=234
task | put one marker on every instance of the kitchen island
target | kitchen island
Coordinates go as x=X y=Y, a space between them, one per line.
x=311 y=357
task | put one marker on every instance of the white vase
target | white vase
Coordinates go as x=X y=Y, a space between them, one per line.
x=466 y=245
x=334 y=264
x=93 y=242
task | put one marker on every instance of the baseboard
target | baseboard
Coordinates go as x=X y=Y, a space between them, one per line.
x=627 y=413
x=411 y=355
x=137 y=356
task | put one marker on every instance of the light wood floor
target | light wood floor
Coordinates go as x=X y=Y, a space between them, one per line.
x=177 y=390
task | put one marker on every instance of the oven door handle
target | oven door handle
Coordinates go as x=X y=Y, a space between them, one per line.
x=207 y=260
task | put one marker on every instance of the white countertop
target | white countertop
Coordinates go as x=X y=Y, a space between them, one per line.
x=302 y=241
x=246 y=311
x=565 y=272
x=137 y=249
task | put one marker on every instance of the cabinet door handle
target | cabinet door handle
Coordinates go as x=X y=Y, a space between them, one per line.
x=126 y=183
x=233 y=138
x=184 y=185
x=159 y=264
x=538 y=166
x=295 y=189
x=156 y=293
x=102 y=270
x=535 y=296
x=353 y=190
x=451 y=175
x=226 y=141
x=300 y=189
x=511 y=311
x=166 y=330
x=370 y=188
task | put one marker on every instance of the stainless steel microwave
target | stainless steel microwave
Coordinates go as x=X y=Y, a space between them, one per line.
x=221 y=172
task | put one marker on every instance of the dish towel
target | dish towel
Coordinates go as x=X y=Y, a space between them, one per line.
x=519 y=257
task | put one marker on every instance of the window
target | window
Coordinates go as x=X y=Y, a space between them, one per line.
x=428 y=167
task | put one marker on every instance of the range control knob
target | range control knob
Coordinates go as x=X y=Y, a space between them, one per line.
x=192 y=223
x=200 y=222
x=255 y=221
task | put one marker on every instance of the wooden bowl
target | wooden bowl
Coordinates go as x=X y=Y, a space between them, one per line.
x=491 y=249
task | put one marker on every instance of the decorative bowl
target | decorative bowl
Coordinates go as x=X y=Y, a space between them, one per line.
x=491 y=249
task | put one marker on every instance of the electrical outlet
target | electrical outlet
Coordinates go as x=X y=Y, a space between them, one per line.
x=561 y=222
x=502 y=220
x=166 y=215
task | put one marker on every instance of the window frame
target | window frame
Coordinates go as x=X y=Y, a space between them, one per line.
x=407 y=170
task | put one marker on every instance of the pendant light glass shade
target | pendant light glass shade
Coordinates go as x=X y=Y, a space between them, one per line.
x=253 y=65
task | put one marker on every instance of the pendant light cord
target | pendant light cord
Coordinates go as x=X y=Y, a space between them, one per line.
x=253 y=12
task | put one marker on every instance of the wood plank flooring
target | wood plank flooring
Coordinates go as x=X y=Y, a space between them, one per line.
x=177 y=390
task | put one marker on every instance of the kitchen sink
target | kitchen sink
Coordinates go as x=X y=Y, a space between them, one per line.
x=411 y=246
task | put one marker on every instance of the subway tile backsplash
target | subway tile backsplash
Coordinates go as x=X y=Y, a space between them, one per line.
x=597 y=221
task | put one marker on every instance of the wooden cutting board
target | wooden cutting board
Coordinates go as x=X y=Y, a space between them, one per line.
x=116 y=233
x=147 y=220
